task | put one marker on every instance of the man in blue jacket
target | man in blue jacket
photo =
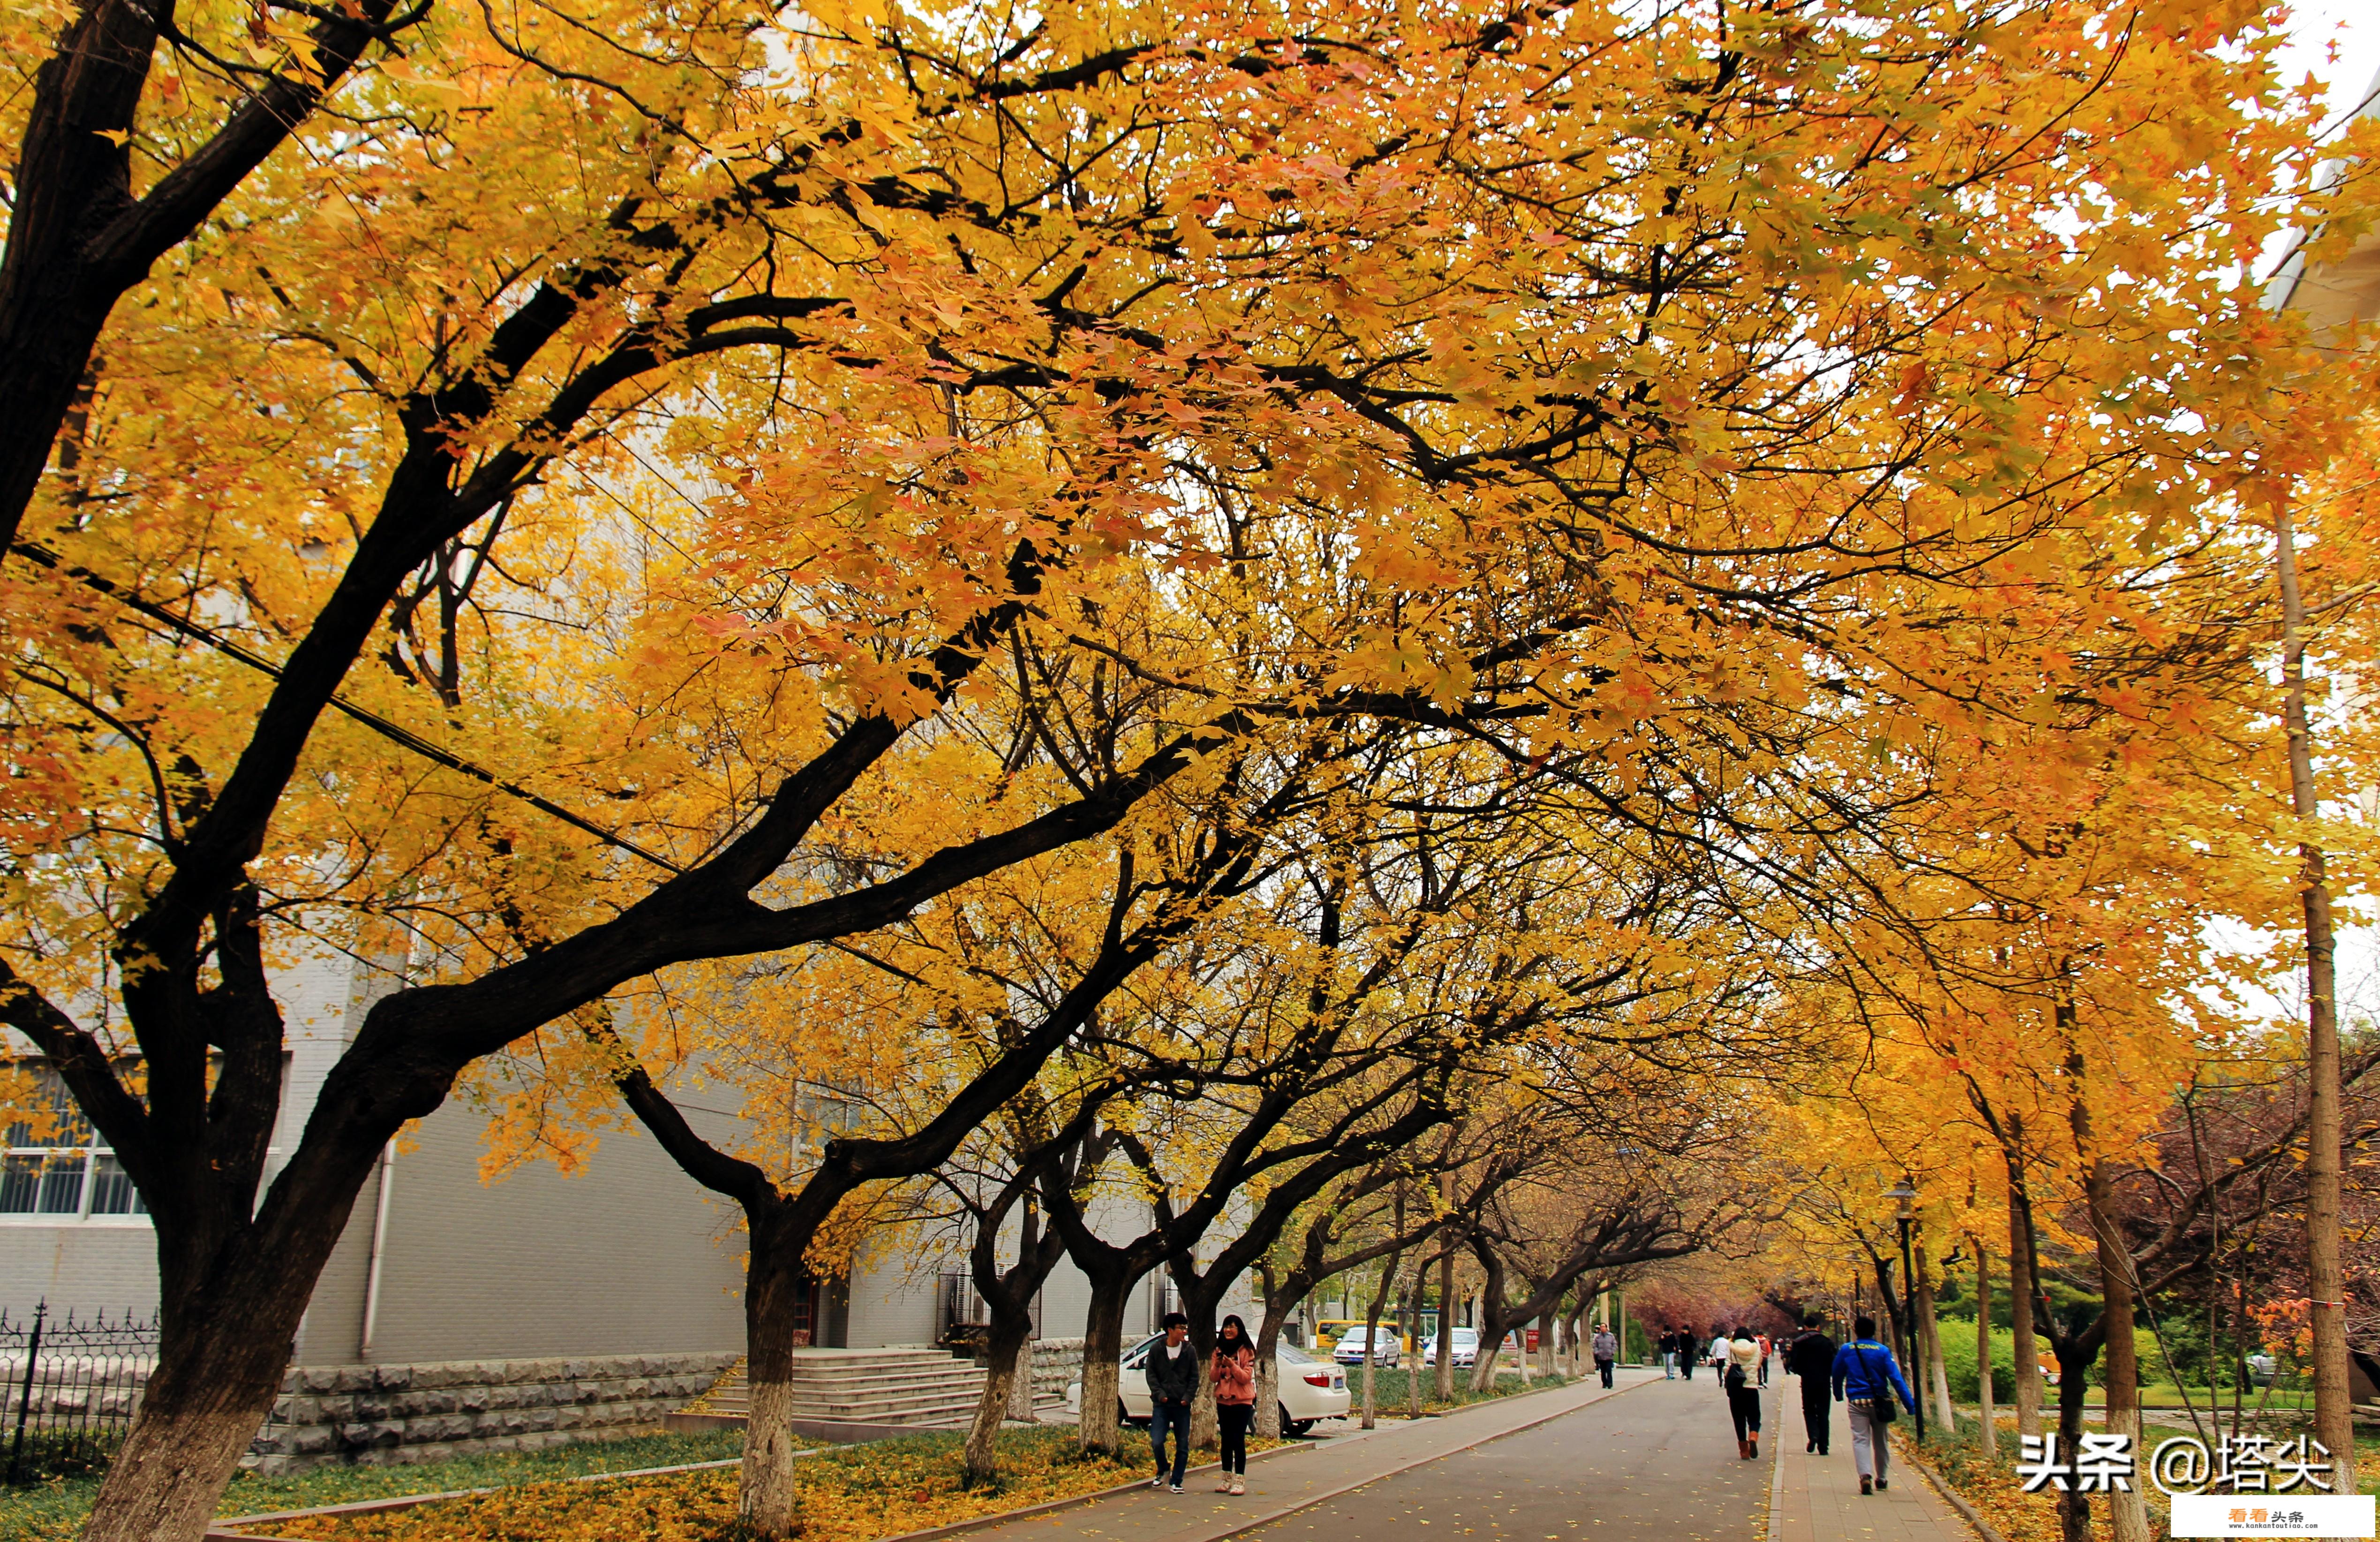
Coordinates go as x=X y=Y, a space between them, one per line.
x=1171 y=1368
x=1865 y=1377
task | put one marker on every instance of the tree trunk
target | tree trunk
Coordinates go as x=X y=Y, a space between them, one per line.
x=775 y=1285
x=2074 y=1381
x=1411 y=1313
x=1206 y=1430
x=216 y=1377
x=1102 y=1350
x=2130 y=1514
x=1009 y=1348
x=1929 y=1348
x=1443 y=1381
x=1491 y=1322
x=1020 y=1385
x=2021 y=1293
x=1372 y=1331
x=229 y=1312
x=2333 y=1412
x=1986 y=1416
x=1545 y=1342
x=1267 y=1425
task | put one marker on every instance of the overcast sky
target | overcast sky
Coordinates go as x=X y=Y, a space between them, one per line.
x=2352 y=27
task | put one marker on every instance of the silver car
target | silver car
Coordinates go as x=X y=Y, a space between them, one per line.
x=1386 y=1347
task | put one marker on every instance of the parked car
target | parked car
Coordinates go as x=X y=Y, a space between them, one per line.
x=1330 y=1330
x=1387 y=1349
x=1308 y=1390
x=1466 y=1348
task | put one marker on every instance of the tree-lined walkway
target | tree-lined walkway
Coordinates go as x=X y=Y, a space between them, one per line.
x=1291 y=1480
x=1648 y=1462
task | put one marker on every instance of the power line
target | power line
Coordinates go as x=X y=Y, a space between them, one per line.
x=398 y=734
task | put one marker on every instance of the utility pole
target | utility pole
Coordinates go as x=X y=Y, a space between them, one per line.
x=2332 y=1414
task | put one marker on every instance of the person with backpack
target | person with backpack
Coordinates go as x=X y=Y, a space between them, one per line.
x=1811 y=1357
x=1171 y=1368
x=1740 y=1363
x=1865 y=1377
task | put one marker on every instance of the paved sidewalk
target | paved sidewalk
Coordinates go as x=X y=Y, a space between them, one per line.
x=1292 y=1478
x=1816 y=1499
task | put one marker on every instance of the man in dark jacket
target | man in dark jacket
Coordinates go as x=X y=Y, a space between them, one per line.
x=1171 y=1368
x=1811 y=1357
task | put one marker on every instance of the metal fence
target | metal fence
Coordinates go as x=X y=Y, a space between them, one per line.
x=71 y=1389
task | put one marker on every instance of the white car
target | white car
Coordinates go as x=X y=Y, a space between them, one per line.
x=1386 y=1347
x=1309 y=1388
x=1466 y=1348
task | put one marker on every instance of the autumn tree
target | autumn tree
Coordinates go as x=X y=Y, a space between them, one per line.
x=1614 y=389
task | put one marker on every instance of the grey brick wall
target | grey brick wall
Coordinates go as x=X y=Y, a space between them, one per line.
x=369 y=1415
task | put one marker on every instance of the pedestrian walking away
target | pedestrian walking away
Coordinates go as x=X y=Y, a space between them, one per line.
x=1235 y=1400
x=1607 y=1350
x=1865 y=1377
x=1722 y=1341
x=1743 y=1391
x=1172 y=1373
x=1811 y=1357
x=1767 y=1347
x=1688 y=1348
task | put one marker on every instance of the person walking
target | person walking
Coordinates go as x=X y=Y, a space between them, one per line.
x=1688 y=1347
x=1721 y=1343
x=1811 y=1357
x=1742 y=1364
x=1173 y=1372
x=1235 y=1400
x=1865 y=1377
x=1669 y=1348
x=1607 y=1350
x=1767 y=1347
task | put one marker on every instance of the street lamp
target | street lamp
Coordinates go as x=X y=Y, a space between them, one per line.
x=1905 y=1195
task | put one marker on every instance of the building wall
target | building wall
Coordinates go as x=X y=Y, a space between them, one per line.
x=629 y=1256
x=85 y=1268
x=109 y=1263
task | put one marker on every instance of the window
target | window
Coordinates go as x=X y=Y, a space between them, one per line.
x=55 y=1169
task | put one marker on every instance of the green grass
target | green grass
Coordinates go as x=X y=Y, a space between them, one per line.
x=1389 y=1388
x=53 y=1512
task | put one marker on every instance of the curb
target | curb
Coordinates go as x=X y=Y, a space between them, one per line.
x=1956 y=1501
x=1777 y=1472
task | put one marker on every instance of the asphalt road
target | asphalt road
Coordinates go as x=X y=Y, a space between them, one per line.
x=1656 y=1465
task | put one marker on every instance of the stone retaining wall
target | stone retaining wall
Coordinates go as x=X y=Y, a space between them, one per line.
x=370 y=1415
x=1056 y=1362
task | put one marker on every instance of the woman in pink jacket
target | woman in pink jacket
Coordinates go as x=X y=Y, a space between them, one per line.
x=1235 y=1399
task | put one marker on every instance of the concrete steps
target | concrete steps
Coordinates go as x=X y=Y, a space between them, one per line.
x=859 y=1394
